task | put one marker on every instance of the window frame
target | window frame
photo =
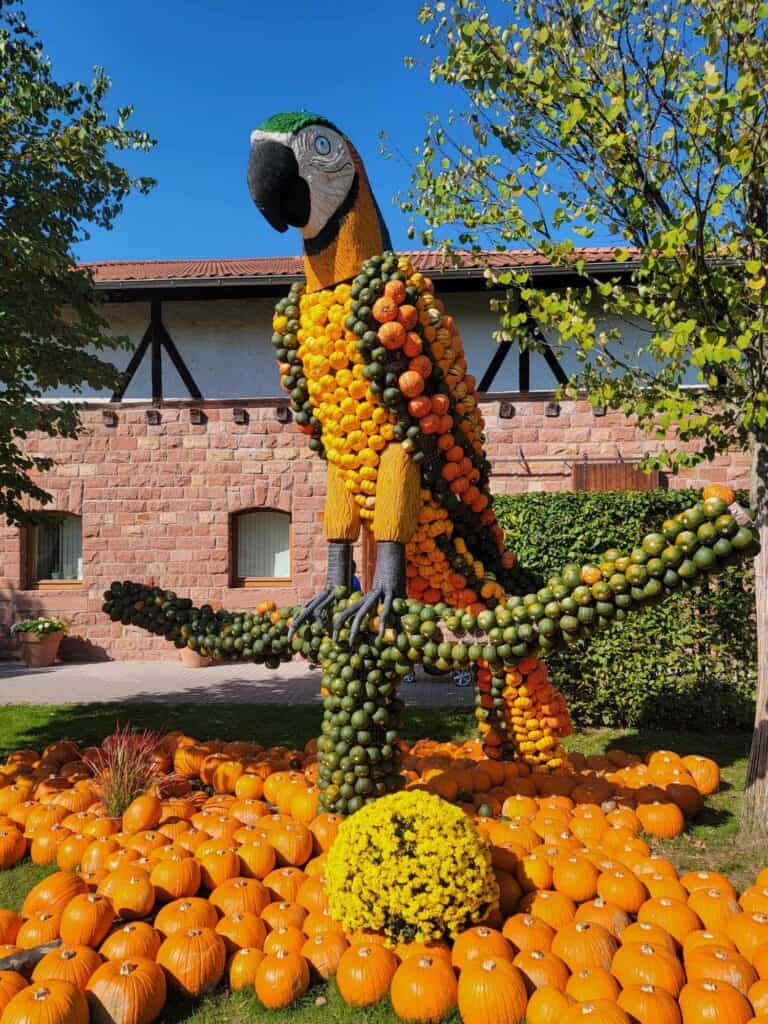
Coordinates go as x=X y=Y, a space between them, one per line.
x=257 y=581
x=29 y=554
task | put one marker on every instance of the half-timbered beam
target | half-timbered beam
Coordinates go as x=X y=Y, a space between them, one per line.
x=156 y=338
x=181 y=367
x=155 y=320
x=501 y=353
x=135 y=361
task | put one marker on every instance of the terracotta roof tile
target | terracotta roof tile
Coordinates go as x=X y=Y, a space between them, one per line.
x=291 y=266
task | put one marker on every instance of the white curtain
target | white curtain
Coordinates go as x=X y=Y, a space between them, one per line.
x=71 y=548
x=59 y=549
x=263 y=545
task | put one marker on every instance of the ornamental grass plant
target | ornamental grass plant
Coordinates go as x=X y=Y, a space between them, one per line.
x=125 y=767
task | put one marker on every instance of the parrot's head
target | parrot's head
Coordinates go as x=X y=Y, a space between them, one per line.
x=304 y=173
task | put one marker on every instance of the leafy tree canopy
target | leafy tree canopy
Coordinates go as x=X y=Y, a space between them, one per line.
x=56 y=179
x=633 y=121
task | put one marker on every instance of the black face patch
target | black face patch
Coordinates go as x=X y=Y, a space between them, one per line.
x=276 y=187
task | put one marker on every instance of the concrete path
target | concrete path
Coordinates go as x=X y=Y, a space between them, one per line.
x=170 y=682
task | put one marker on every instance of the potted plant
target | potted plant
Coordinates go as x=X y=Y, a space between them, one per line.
x=39 y=639
x=191 y=659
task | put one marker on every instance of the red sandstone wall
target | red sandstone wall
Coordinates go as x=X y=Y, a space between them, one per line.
x=156 y=501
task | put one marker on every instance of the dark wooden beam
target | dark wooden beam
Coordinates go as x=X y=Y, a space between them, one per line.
x=155 y=324
x=524 y=370
x=181 y=367
x=554 y=364
x=130 y=370
x=501 y=353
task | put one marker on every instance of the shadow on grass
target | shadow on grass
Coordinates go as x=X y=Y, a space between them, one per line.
x=714 y=817
x=291 y=725
x=727 y=747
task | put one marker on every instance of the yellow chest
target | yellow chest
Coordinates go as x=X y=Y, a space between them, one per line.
x=355 y=426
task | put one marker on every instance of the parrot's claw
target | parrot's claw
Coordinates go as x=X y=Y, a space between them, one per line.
x=362 y=609
x=312 y=610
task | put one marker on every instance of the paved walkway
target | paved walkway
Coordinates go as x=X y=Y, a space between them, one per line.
x=170 y=682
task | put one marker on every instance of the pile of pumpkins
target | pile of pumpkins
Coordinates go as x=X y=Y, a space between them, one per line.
x=215 y=877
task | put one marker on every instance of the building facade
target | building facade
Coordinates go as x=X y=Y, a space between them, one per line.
x=194 y=478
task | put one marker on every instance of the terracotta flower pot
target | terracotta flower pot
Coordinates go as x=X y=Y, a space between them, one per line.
x=39 y=650
x=191 y=659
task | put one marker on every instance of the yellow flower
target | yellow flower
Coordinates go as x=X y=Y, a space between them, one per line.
x=411 y=866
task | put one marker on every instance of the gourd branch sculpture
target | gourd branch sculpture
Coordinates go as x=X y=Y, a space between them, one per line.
x=376 y=374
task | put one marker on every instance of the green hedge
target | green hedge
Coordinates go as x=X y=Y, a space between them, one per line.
x=689 y=661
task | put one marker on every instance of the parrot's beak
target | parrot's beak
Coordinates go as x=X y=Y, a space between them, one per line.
x=276 y=187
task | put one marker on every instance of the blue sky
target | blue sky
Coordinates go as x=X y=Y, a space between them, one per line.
x=202 y=74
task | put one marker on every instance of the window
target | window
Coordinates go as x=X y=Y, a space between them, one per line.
x=55 y=550
x=262 y=542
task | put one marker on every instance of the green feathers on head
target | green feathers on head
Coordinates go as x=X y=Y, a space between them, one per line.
x=293 y=121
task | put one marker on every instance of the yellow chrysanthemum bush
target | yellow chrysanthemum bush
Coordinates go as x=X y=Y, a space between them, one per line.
x=412 y=867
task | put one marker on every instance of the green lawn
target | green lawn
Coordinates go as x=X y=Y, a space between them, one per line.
x=715 y=841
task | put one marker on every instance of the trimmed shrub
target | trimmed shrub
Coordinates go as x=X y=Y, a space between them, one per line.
x=681 y=663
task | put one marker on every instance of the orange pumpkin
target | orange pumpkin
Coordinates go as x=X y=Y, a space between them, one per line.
x=364 y=974
x=423 y=989
x=243 y=965
x=324 y=952
x=584 y=944
x=131 y=991
x=702 y=1001
x=491 y=991
x=647 y=1004
x=648 y=964
x=527 y=932
x=710 y=963
x=592 y=983
x=56 y=1001
x=240 y=896
x=542 y=969
x=137 y=939
x=241 y=931
x=67 y=963
x=193 y=959
x=11 y=983
x=281 y=978
x=719 y=491
x=479 y=943
x=182 y=915
x=547 y=1006
x=142 y=814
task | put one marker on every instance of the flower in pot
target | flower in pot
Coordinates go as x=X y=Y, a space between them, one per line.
x=39 y=639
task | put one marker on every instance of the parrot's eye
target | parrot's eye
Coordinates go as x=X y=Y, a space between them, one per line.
x=322 y=146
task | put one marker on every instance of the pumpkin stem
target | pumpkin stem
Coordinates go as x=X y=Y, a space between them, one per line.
x=41 y=993
x=126 y=968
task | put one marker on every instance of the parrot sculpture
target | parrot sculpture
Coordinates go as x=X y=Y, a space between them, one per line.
x=377 y=378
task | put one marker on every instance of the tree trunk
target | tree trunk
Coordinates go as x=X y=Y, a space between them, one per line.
x=756 y=804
